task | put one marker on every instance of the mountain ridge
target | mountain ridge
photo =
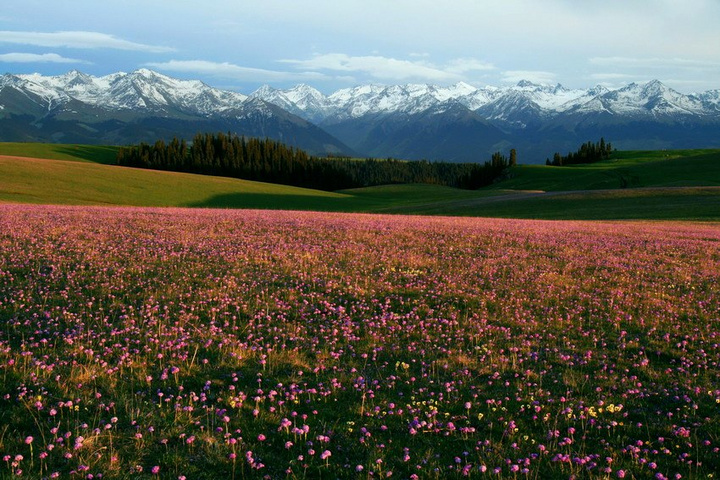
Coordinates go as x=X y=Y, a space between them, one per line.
x=143 y=105
x=372 y=98
x=458 y=122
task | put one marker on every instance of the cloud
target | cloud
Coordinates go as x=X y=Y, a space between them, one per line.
x=466 y=65
x=514 y=76
x=682 y=73
x=375 y=66
x=77 y=39
x=37 y=58
x=232 y=71
x=607 y=77
x=392 y=69
x=625 y=62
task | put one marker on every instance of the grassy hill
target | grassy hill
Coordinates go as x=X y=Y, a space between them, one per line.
x=55 y=151
x=679 y=168
x=676 y=203
x=631 y=185
x=32 y=180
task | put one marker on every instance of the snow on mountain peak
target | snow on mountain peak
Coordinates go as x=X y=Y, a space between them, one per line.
x=655 y=87
x=146 y=89
x=147 y=73
x=463 y=87
x=598 y=90
x=47 y=88
x=414 y=98
x=304 y=93
x=652 y=98
x=141 y=88
x=266 y=91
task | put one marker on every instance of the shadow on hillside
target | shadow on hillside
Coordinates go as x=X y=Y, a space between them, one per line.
x=670 y=203
x=272 y=201
x=95 y=154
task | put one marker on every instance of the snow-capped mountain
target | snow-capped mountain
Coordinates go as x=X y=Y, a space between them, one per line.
x=710 y=100
x=459 y=122
x=140 y=90
x=652 y=98
x=303 y=100
x=142 y=106
x=363 y=100
x=536 y=119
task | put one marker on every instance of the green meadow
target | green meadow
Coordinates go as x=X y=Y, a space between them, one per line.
x=676 y=168
x=223 y=342
x=55 y=151
x=654 y=185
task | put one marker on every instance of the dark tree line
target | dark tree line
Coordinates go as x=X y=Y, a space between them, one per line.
x=588 y=153
x=270 y=161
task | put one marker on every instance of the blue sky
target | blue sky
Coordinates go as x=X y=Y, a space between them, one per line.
x=331 y=44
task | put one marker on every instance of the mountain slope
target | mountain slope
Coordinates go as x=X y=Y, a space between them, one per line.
x=538 y=120
x=448 y=131
x=142 y=106
x=454 y=123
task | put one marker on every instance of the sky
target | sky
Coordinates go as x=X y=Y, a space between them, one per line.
x=241 y=45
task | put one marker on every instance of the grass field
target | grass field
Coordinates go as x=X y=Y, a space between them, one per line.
x=623 y=170
x=676 y=203
x=253 y=340
x=77 y=153
x=30 y=180
x=207 y=344
x=667 y=185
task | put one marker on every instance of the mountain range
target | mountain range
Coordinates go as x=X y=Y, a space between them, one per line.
x=452 y=123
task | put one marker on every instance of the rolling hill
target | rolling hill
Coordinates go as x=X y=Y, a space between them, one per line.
x=678 y=185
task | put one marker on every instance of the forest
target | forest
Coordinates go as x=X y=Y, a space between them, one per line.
x=588 y=152
x=270 y=161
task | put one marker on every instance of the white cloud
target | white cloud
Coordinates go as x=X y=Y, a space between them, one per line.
x=687 y=74
x=469 y=40
x=375 y=66
x=677 y=63
x=232 y=71
x=607 y=77
x=466 y=65
x=37 y=58
x=514 y=76
x=392 y=69
x=77 y=39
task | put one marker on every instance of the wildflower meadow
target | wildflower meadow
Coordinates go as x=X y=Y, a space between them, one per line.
x=204 y=344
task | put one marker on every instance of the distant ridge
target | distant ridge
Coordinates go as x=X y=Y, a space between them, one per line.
x=536 y=119
x=124 y=108
x=651 y=98
x=453 y=123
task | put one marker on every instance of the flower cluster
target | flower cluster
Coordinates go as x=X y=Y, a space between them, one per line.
x=177 y=343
